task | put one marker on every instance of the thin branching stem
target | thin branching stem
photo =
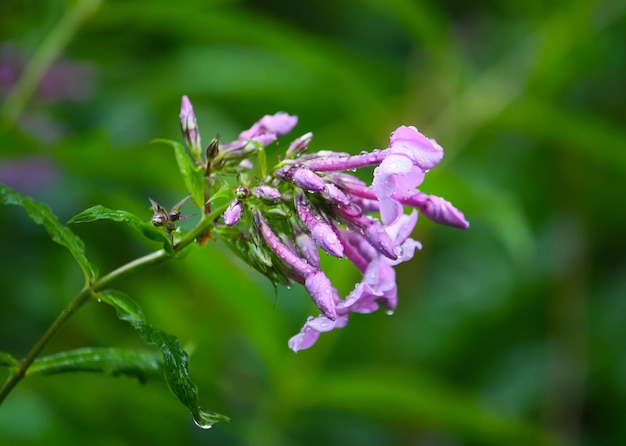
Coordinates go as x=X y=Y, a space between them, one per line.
x=161 y=255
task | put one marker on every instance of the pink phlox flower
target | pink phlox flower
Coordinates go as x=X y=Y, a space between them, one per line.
x=315 y=281
x=303 y=178
x=437 y=209
x=232 y=214
x=377 y=287
x=321 y=231
x=395 y=177
x=424 y=152
x=270 y=127
x=371 y=229
x=312 y=330
x=323 y=293
x=299 y=145
x=189 y=125
x=267 y=193
x=307 y=248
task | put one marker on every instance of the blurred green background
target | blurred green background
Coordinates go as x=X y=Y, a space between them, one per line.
x=511 y=332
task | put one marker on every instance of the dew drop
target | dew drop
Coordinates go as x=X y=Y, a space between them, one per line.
x=202 y=425
x=99 y=300
x=389 y=312
x=399 y=251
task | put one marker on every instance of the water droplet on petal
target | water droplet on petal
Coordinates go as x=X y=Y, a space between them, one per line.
x=399 y=251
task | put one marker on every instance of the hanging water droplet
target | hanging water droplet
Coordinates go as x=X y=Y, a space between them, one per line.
x=389 y=312
x=202 y=425
x=99 y=300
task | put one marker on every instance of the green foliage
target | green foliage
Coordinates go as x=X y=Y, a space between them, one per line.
x=140 y=364
x=192 y=174
x=99 y=212
x=42 y=215
x=507 y=333
x=175 y=360
x=6 y=360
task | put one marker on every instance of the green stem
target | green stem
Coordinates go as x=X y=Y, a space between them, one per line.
x=82 y=297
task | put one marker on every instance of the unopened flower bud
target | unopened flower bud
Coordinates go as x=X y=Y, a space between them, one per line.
x=232 y=214
x=323 y=293
x=335 y=195
x=212 y=148
x=299 y=145
x=307 y=248
x=266 y=193
x=379 y=239
x=242 y=192
x=437 y=209
x=189 y=126
x=321 y=231
x=303 y=178
x=299 y=266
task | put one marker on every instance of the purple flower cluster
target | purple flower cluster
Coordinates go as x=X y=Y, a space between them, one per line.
x=277 y=219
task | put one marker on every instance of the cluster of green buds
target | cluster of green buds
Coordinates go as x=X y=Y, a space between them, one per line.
x=278 y=217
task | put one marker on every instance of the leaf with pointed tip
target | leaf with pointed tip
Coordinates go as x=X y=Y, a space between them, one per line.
x=140 y=364
x=6 y=360
x=175 y=360
x=42 y=215
x=148 y=230
x=193 y=175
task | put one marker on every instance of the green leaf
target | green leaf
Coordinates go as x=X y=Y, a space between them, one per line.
x=140 y=364
x=192 y=174
x=42 y=215
x=175 y=359
x=147 y=230
x=6 y=360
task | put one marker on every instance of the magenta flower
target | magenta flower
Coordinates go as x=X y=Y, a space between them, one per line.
x=307 y=248
x=396 y=176
x=189 y=126
x=304 y=178
x=315 y=281
x=424 y=152
x=371 y=229
x=323 y=293
x=437 y=209
x=378 y=286
x=321 y=231
x=299 y=145
x=335 y=196
x=309 y=201
x=232 y=214
x=267 y=193
x=270 y=127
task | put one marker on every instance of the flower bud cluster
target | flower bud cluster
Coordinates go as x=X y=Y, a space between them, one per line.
x=277 y=219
